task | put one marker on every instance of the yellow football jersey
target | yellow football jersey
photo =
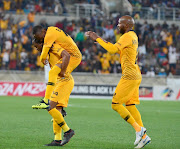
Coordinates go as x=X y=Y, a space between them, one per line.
x=54 y=57
x=54 y=34
x=127 y=45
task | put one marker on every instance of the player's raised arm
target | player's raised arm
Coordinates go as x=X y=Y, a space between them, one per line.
x=106 y=45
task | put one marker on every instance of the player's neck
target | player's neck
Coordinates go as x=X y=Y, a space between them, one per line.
x=129 y=30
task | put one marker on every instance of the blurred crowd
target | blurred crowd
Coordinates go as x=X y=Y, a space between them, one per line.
x=37 y=6
x=155 y=3
x=156 y=9
x=159 y=46
x=54 y=7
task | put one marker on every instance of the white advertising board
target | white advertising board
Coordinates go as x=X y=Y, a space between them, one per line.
x=166 y=92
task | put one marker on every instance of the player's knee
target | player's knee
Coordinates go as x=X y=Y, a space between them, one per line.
x=52 y=105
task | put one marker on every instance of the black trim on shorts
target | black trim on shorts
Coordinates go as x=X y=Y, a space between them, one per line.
x=114 y=103
x=131 y=105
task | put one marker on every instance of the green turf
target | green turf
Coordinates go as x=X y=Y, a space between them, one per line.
x=95 y=124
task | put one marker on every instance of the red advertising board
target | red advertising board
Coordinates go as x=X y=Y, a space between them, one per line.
x=22 y=89
x=38 y=89
x=145 y=92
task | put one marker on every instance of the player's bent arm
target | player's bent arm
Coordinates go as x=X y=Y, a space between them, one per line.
x=44 y=54
x=65 y=61
x=107 y=45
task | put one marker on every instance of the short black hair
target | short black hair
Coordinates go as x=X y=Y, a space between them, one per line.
x=37 y=28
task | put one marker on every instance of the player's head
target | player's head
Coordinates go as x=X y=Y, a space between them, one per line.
x=125 y=24
x=37 y=45
x=39 y=33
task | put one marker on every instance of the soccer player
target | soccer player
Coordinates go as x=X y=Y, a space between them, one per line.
x=63 y=56
x=127 y=90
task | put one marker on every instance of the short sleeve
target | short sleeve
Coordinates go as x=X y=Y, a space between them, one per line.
x=123 y=42
x=50 y=37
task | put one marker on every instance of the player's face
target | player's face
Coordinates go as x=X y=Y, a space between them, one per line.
x=121 y=26
x=38 y=45
x=39 y=36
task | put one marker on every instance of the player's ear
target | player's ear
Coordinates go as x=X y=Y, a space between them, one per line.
x=44 y=30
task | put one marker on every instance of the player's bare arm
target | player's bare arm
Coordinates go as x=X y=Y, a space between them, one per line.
x=65 y=61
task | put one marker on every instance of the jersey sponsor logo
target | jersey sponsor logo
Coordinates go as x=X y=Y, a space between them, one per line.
x=55 y=93
x=134 y=42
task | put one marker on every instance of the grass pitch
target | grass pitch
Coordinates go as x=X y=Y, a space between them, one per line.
x=96 y=125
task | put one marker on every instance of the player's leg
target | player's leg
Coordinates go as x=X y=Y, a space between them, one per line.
x=53 y=74
x=126 y=115
x=57 y=131
x=123 y=93
x=57 y=116
x=130 y=105
x=135 y=113
x=61 y=96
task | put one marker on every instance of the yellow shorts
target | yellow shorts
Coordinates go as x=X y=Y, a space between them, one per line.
x=127 y=92
x=65 y=85
x=62 y=92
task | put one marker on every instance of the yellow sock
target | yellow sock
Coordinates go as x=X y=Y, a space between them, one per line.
x=126 y=115
x=57 y=131
x=57 y=116
x=136 y=126
x=53 y=74
x=135 y=113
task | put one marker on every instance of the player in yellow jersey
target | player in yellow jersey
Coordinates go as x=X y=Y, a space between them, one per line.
x=63 y=56
x=127 y=90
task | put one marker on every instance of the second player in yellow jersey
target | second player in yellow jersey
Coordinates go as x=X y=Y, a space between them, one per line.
x=63 y=56
x=127 y=90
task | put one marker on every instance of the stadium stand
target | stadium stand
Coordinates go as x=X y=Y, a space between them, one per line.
x=159 y=49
